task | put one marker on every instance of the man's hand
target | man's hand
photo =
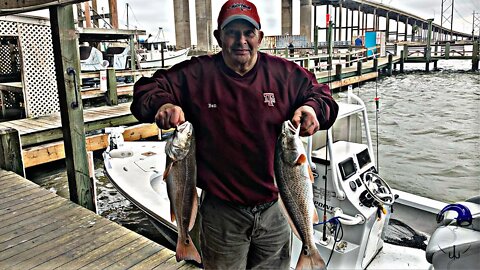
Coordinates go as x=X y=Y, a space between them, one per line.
x=307 y=119
x=169 y=116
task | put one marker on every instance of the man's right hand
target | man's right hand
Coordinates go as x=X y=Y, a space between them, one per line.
x=169 y=116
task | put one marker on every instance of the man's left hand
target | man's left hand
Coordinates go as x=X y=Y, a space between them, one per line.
x=307 y=119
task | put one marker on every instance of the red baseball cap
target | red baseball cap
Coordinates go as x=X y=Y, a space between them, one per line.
x=238 y=9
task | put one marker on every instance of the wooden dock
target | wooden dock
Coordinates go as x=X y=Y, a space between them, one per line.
x=40 y=230
x=47 y=128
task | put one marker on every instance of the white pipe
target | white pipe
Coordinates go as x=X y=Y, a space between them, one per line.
x=367 y=127
x=347 y=219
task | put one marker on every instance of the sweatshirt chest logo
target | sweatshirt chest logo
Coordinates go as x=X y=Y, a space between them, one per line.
x=269 y=99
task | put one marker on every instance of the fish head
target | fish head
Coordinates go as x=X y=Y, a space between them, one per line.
x=290 y=145
x=179 y=144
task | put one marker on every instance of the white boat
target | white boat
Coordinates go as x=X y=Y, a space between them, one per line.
x=155 y=52
x=362 y=210
x=91 y=59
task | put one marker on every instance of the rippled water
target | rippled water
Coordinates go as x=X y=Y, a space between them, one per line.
x=429 y=130
x=429 y=137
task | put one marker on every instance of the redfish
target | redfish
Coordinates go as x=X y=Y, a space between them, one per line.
x=181 y=178
x=294 y=180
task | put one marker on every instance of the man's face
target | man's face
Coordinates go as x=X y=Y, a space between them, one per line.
x=239 y=41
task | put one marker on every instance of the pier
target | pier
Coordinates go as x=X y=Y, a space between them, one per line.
x=40 y=230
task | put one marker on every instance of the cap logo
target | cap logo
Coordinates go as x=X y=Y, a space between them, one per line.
x=241 y=6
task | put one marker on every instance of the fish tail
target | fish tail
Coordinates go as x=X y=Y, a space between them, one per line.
x=311 y=261
x=186 y=250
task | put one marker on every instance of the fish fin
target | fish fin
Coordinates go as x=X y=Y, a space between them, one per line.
x=310 y=261
x=173 y=218
x=168 y=167
x=287 y=216
x=316 y=219
x=193 y=216
x=186 y=250
x=301 y=159
x=310 y=174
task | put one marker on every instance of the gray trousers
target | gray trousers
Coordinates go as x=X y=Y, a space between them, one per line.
x=237 y=237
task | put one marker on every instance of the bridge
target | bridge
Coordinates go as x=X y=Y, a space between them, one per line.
x=414 y=27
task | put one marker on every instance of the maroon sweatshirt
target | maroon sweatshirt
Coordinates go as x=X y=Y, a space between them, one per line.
x=236 y=118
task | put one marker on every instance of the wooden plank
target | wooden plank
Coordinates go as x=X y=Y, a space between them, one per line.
x=135 y=257
x=154 y=260
x=49 y=222
x=39 y=122
x=170 y=264
x=39 y=211
x=11 y=124
x=82 y=249
x=63 y=243
x=53 y=251
x=30 y=5
x=115 y=255
x=23 y=206
x=5 y=173
x=102 y=251
x=11 y=187
x=54 y=151
x=22 y=196
x=62 y=234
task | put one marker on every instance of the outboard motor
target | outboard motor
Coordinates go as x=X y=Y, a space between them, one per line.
x=456 y=242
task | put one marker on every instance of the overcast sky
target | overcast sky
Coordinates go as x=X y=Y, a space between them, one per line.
x=149 y=15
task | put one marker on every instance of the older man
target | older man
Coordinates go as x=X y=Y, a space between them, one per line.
x=237 y=101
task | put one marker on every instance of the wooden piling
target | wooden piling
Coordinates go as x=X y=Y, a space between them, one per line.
x=67 y=69
x=475 y=57
x=11 y=151
x=447 y=50
x=359 y=68
x=111 y=95
x=390 y=65
x=338 y=71
x=402 y=63
x=375 y=64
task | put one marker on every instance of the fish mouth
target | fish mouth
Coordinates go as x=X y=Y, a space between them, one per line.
x=288 y=126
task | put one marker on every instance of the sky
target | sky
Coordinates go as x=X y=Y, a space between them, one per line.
x=149 y=15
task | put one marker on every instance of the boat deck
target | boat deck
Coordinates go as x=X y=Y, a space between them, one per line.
x=42 y=129
x=40 y=230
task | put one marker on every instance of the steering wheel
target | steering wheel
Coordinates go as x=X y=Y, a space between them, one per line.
x=378 y=188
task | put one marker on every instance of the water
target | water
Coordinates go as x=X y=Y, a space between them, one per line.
x=429 y=130
x=429 y=136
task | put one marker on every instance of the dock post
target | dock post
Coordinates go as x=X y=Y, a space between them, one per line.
x=447 y=50
x=11 y=151
x=348 y=59
x=435 y=65
x=402 y=63
x=67 y=69
x=338 y=72
x=390 y=65
x=405 y=52
x=375 y=64
x=475 y=57
x=359 y=68
x=111 y=95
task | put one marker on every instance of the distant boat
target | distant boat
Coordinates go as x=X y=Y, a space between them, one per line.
x=153 y=50
x=91 y=59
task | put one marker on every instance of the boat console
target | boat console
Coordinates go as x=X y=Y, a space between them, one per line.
x=349 y=191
